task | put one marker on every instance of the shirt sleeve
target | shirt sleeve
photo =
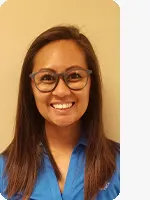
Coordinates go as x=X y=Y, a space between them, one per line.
x=1 y=173
x=118 y=174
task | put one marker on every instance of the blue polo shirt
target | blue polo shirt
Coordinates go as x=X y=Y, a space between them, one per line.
x=47 y=188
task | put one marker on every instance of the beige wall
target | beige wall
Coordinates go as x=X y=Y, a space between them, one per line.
x=21 y=21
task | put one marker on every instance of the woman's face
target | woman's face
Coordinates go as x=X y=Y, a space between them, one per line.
x=59 y=56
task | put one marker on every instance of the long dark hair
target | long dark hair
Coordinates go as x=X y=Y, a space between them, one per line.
x=24 y=154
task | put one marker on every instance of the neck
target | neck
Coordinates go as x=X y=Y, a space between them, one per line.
x=62 y=139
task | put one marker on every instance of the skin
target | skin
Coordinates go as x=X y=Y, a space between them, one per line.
x=62 y=129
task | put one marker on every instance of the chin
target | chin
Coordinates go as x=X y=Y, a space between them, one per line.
x=63 y=123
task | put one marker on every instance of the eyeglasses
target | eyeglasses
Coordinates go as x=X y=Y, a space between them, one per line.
x=46 y=80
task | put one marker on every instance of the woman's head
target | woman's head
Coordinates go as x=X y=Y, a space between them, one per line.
x=58 y=49
x=61 y=102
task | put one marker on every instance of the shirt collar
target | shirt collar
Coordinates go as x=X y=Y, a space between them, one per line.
x=82 y=141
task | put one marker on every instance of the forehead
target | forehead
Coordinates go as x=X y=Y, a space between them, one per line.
x=59 y=55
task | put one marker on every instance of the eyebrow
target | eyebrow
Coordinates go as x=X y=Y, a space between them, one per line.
x=68 y=68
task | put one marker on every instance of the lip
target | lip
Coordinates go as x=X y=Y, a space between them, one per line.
x=65 y=110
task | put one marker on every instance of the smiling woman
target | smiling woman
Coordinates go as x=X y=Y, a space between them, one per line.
x=58 y=56
x=59 y=150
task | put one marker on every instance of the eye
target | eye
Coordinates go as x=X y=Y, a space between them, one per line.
x=74 y=77
x=47 y=77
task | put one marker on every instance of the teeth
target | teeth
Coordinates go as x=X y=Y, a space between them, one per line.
x=62 y=106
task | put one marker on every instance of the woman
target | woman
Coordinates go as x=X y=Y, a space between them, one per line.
x=59 y=150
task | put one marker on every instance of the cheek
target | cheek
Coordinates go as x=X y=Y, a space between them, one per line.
x=83 y=97
x=40 y=99
x=87 y=90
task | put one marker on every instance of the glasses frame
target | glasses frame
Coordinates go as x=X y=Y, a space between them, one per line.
x=58 y=76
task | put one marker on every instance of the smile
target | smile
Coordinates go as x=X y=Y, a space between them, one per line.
x=63 y=106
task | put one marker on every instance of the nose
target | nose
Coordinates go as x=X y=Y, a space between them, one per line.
x=61 y=89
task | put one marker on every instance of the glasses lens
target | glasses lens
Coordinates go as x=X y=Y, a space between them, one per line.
x=76 y=78
x=45 y=80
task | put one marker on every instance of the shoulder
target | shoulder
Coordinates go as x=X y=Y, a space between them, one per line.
x=115 y=180
x=1 y=170
x=112 y=187
x=1 y=164
x=117 y=171
x=117 y=155
x=115 y=148
x=2 y=167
